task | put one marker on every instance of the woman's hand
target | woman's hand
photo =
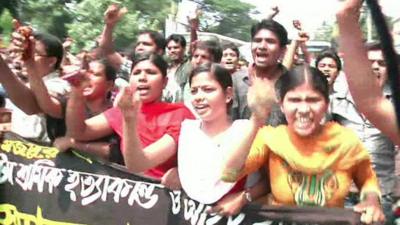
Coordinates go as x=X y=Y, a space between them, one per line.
x=370 y=209
x=171 y=179
x=64 y=143
x=128 y=101
x=230 y=204
x=75 y=76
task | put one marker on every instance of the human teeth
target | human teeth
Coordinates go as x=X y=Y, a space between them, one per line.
x=304 y=119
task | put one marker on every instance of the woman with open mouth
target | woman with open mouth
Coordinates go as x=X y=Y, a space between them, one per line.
x=203 y=145
x=310 y=163
x=154 y=123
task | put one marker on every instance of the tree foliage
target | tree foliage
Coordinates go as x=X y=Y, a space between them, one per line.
x=83 y=19
x=6 y=25
x=228 y=17
x=88 y=22
x=45 y=15
x=330 y=32
x=10 y=5
x=327 y=32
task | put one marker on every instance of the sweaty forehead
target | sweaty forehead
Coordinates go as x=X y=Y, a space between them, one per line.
x=200 y=51
x=229 y=51
x=40 y=47
x=327 y=60
x=173 y=43
x=265 y=33
x=305 y=89
x=375 y=55
x=145 y=38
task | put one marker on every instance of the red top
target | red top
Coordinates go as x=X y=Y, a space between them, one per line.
x=239 y=186
x=154 y=121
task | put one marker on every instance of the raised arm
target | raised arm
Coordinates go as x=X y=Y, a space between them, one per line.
x=47 y=103
x=80 y=128
x=21 y=95
x=306 y=53
x=112 y=16
x=260 y=98
x=367 y=95
x=274 y=10
x=138 y=158
x=194 y=27
x=299 y=41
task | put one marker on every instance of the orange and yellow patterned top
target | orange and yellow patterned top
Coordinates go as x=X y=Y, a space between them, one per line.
x=312 y=171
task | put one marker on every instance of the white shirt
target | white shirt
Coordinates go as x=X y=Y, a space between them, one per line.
x=201 y=161
x=34 y=126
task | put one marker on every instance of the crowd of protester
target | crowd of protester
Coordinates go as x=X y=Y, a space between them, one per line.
x=288 y=129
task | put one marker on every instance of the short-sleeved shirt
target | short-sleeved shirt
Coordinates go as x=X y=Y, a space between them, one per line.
x=200 y=162
x=313 y=171
x=154 y=121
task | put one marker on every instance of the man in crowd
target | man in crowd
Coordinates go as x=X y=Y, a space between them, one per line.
x=268 y=44
x=230 y=57
x=147 y=41
x=203 y=52
x=176 y=48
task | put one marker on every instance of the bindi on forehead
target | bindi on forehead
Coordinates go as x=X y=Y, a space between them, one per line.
x=374 y=55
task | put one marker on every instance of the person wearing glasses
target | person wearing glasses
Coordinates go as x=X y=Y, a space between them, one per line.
x=45 y=56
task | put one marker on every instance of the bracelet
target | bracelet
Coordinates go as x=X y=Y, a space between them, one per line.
x=247 y=196
x=367 y=195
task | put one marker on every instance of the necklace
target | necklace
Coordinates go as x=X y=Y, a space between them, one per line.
x=219 y=138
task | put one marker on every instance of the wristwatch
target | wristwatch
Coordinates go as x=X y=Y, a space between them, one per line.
x=247 y=196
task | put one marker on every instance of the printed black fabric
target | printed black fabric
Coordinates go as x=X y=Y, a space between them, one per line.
x=39 y=185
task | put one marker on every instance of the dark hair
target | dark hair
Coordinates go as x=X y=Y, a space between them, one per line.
x=272 y=26
x=212 y=47
x=220 y=74
x=2 y=101
x=53 y=46
x=232 y=46
x=109 y=70
x=158 y=38
x=178 y=39
x=373 y=46
x=329 y=53
x=155 y=59
x=298 y=76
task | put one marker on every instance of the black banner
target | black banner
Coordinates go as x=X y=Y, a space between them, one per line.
x=39 y=185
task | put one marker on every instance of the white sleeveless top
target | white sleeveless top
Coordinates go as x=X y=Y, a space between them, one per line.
x=201 y=161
